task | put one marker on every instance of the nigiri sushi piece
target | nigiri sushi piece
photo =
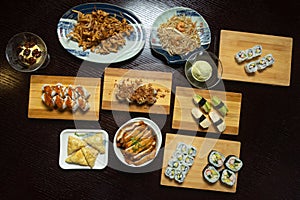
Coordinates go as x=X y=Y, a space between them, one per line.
x=70 y=91
x=59 y=102
x=58 y=89
x=48 y=100
x=218 y=122
x=219 y=105
x=82 y=92
x=83 y=104
x=202 y=102
x=202 y=120
x=71 y=104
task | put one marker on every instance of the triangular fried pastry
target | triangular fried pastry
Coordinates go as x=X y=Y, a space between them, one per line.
x=90 y=155
x=77 y=158
x=74 y=144
x=96 y=141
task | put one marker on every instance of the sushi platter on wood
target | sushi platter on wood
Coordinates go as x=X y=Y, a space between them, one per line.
x=183 y=105
x=280 y=47
x=194 y=178
x=37 y=109
x=160 y=81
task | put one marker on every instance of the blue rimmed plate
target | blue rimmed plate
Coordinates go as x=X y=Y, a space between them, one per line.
x=134 y=43
x=202 y=28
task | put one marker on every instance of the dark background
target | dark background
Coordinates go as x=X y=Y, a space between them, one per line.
x=269 y=124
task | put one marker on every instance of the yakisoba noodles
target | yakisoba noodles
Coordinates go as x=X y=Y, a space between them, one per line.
x=100 y=32
x=179 y=35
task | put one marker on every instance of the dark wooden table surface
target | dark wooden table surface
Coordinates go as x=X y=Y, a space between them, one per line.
x=269 y=123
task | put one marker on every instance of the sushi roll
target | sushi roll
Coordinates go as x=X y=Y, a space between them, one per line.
x=70 y=91
x=174 y=163
x=250 y=54
x=270 y=60
x=192 y=151
x=184 y=168
x=82 y=92
x=210 y=174
x=219 y=105
x=228 y=177
x=216 y=159
x=170 y=172
x=240 y=56
x=202 y=102
x=48 y=100
x=201 y=118
x=83 y=104
x=59 y=102
x=262 y=64
x=182 y=148
x=251 y=67
x=71 y=104
x=58 y=89
x=218 y=122
x=189 y=160
x=48 y=89
x=178 y=156
x=233 y=163
x=257 y=50
x=179 y=176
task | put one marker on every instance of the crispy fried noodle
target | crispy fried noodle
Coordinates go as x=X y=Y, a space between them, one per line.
x=179 y=35
x=100 y=32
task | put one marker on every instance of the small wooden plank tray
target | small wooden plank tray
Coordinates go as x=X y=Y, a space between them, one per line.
x=194 y=178
x=159 y=80
x=232 y=42
x=37 y=109
x=183 y=119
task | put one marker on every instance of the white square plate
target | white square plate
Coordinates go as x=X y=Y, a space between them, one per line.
x=102 y=159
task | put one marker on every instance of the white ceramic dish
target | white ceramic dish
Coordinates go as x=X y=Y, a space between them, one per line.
x=102 y=159
x=134 y=43
x=155 y=128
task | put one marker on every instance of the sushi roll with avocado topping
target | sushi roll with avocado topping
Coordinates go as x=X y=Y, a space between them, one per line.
x=219 y=105
x=228 y=177
x=211 y=174
x=170 y=172
x=216 y=158
x=202 y=102
x=218 y=122
x=233 y=163
x=201 y=118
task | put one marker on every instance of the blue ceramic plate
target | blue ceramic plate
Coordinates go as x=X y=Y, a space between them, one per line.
x=134 y=43
x=202 y=28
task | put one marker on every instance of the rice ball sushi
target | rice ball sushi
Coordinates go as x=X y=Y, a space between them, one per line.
x=201 y=118
x=218 y=122
x=210 y=174
x=233 y=163
x=228 y=177
x=216 y=158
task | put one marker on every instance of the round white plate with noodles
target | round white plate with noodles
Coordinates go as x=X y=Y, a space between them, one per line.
x=134 y=43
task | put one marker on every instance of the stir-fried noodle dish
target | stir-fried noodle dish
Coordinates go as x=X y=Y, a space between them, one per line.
x=179 y=35
x=100 y=32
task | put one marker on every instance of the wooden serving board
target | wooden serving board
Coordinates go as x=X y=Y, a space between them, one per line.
x=37 y=109
x=182 y=116
x=194 y=178
x=159 y=80
x=232 y=42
